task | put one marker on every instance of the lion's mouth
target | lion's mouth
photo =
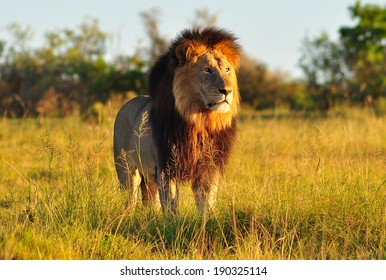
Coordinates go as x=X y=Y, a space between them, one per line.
x=221 y=104
x=214 y=104
x=220 y=107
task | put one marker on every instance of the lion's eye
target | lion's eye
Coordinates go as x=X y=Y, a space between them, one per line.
x=208 y=70
x=227 y=70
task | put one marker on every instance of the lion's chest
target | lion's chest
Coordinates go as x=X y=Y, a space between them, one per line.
x=198 y=156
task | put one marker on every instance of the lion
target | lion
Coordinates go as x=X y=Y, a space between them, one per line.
x=185 y=129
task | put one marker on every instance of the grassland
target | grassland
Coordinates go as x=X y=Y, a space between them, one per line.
x=296 y=188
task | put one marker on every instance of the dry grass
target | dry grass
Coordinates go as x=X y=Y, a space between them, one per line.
x=297 y=188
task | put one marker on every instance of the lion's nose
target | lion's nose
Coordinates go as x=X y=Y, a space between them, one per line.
x=225 y=91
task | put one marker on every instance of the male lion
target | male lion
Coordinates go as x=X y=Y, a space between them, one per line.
x=185 y=129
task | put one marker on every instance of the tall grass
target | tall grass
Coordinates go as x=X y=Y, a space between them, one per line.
x=296 y=188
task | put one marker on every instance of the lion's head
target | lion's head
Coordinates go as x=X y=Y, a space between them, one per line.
x=203 y=67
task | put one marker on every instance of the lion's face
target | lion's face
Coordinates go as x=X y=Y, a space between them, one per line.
x=205 y=89
x=213 y=77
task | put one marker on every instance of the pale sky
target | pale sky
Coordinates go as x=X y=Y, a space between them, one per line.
x=271 y=31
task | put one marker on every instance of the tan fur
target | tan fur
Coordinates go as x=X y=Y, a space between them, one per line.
x=205 y=95
x=188 y=85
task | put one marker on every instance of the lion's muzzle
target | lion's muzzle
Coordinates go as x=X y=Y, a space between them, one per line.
x=221 y=101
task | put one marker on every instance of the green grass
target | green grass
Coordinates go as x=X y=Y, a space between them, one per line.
x=296 y=188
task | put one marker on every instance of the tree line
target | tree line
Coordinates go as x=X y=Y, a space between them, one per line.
x=69 y=72
x=352 y=69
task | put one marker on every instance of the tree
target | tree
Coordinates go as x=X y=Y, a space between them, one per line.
x=21 y=36
x=261 y=88
x=158 y=42
x=67 y=73
x=74 y=65
x=365 y=45
x=17 y=72
x=322 y=62
x=203 y=18
x=2 y=48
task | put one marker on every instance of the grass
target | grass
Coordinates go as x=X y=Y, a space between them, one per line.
x=296 y=188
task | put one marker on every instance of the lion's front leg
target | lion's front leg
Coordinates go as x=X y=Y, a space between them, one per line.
x=205 y=191
x=168 y=194
x=150 y=195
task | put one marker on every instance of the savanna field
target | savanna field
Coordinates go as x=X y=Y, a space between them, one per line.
x=296 y=188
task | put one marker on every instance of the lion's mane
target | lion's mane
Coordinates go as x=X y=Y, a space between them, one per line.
x=187 y=147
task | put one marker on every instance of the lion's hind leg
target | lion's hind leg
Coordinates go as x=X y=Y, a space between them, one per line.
x=129 y=178
x=131 y=184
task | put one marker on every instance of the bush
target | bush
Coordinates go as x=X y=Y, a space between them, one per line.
x=380 y=107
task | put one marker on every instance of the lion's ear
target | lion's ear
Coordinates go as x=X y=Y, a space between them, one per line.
x=181 y=51
x=188 y=51
x=231 y=51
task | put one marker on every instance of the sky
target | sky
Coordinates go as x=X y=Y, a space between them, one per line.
x=270 y=31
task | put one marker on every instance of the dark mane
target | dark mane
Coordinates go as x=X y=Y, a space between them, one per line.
x=172 y=133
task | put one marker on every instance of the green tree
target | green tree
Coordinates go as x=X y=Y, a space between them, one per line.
x=261 y=88
x=21 y=37
x=158 y=43
x=75 y=65
x=322 y=63
x=17 y=72
x=2 y=48
x=365 y=45
x=56 y=78
x=203 y=18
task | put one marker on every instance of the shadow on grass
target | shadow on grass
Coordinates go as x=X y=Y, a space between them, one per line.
x=190 y=235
